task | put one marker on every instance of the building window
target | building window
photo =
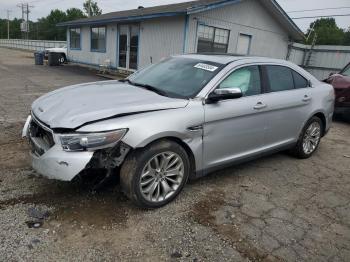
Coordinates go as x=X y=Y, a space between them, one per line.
x=98 y=39
x=212 y=39
x=243 y=45
x=74 y=37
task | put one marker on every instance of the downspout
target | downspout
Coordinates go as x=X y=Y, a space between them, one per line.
x=290 y=47
x=68 y=41
x=185 y=34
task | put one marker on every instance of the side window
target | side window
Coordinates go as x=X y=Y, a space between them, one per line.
x=280 y=78
x=299 y=81
x=246 y=78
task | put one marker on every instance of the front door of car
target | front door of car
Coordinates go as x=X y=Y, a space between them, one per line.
x=288 y=105
x=235 y=128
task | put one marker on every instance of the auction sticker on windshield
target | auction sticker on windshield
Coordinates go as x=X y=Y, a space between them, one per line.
x=206 y=67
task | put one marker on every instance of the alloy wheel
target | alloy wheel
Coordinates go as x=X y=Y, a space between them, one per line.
x=161 y=176
x=311 y=138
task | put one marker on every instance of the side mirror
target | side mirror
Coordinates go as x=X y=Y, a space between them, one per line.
x=224 y=94
x=330 y=74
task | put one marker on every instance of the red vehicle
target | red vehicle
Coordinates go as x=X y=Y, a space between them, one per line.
x=341 y=84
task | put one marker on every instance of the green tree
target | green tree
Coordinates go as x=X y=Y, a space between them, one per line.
x=15 y=30
x=74 y=13
x=91 y=8
x=47 y=29
x=327 y=32
x=347 y=37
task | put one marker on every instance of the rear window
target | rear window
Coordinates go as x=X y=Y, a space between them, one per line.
x=299 y=81
x=280 y=78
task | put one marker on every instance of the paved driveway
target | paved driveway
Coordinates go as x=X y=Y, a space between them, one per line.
x=275 y=208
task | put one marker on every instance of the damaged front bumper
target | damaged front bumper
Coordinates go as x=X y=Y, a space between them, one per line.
x=50 y=160
x=60 y=165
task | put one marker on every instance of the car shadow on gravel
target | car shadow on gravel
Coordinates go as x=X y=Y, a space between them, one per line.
x=77 y=203
x=345 y=119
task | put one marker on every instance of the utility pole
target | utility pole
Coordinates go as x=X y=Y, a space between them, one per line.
x=8 y=23
x=25 y=17
x=27 y=12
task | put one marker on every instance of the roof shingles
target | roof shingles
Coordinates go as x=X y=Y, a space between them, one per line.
x=181 y=9
x=176 y=9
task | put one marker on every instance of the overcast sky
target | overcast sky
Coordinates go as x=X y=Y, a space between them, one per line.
x=42 y=8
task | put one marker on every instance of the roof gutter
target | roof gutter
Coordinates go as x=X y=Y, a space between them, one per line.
x=286 y=16
x=203 y=8
x=120 y=19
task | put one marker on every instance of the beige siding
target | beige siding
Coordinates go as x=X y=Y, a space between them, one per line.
x=95 y=58
x=160 y=38
x=247 y=17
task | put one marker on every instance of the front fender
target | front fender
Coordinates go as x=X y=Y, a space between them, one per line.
x=147 y=127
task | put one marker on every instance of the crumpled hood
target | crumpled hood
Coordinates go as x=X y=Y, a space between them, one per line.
x=74 y=106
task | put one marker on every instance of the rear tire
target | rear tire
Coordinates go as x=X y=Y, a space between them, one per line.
x=309 y=139
x=153 y=176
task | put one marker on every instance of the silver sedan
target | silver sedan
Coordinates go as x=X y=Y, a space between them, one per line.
x=177 y=120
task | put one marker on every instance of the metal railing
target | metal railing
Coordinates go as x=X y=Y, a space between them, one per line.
x=32 y=45
x=320 y=60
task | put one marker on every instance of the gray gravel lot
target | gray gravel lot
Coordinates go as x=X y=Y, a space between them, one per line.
x=273 y=209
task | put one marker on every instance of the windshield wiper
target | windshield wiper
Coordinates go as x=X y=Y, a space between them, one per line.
x=126 y=80
x=145 y=86
x=150 y=88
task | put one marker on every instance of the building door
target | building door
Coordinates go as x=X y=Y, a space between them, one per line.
x=128 y=46
x=244 y=43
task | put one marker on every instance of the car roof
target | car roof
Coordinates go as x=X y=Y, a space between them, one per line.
x=229 y=58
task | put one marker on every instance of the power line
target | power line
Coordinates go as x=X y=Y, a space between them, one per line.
x=319 y=16
x=319 y=9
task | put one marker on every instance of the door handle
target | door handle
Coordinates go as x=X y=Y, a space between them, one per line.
x=306 y=98
x=259 y=106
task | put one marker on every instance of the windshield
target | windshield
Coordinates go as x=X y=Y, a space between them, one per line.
x=177 y=76
x=346 y=71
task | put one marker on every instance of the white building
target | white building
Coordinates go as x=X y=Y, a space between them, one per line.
x=135 y=38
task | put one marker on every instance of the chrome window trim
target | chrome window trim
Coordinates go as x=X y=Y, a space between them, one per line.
x=226 y=71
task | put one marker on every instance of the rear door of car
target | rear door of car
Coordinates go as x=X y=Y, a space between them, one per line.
x=288 y=104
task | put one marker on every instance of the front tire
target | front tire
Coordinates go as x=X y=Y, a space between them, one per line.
x=153 y=176
x=309 y=139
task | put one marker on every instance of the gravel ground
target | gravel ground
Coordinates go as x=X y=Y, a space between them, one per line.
x=273 y=209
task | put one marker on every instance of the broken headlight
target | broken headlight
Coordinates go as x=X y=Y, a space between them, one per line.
x=91 y=141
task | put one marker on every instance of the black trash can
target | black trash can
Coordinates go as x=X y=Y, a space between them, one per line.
x=39 y=58
x=54 y=59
